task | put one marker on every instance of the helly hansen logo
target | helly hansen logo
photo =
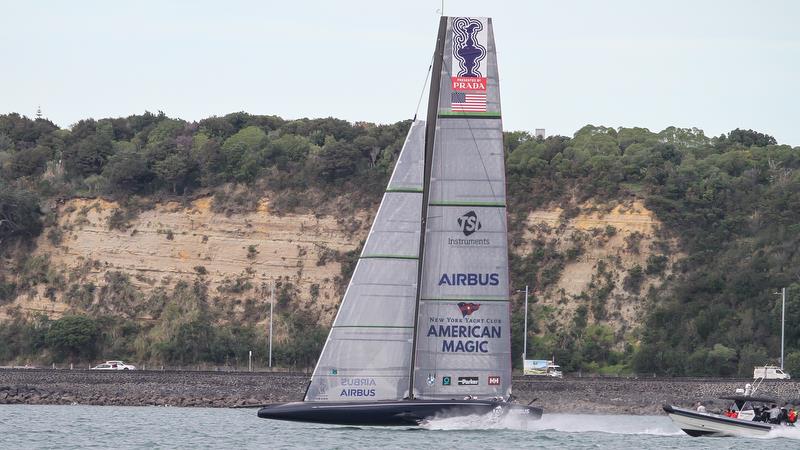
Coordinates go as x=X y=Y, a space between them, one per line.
x=469 y=223
x=494 y=381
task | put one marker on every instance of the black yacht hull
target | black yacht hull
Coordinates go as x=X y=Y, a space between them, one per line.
x=389 y=413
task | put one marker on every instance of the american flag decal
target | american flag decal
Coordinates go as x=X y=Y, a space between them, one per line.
x=468 y=102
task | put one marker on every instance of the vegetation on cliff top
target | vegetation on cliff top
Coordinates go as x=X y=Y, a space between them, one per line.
x=733 y=202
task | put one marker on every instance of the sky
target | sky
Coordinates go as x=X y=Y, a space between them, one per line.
x=714 y=65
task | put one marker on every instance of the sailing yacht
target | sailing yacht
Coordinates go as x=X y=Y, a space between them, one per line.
x=423 y=329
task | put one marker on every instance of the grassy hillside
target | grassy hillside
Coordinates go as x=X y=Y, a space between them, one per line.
x=725 y=236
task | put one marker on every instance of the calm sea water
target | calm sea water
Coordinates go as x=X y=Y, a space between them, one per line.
x=23 y=426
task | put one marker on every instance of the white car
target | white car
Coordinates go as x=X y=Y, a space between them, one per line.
x=114 y=365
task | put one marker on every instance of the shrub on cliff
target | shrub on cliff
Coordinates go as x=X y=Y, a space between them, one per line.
x=20 y=216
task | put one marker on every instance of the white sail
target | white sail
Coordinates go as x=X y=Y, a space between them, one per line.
x=463 y=332
x=368 y=352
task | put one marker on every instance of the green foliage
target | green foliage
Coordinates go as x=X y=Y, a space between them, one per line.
x=305 y=340
x=20 y=216
x=792 y=362
x=337 y=160
x=22 y=336
x=88 y=156
x=127 y=171
x=633 y=281
x=235 y=286
x=252 y=252
x=73 y=336
x=656 y=264
x=750 y=138
x=732 y=202
x=7 y=290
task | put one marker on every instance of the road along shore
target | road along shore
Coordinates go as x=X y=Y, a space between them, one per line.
x=225 y=389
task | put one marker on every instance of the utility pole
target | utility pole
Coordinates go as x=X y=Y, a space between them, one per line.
x=782 y=293
x=525 y=330
x=271 y=305
x=783 y=320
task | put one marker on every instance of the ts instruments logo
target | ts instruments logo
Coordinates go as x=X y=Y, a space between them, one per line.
x=469 y=223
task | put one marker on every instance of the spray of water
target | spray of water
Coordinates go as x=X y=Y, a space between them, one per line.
x=569 y=423
x=784 y=432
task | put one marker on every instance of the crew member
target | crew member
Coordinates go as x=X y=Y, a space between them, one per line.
x=700 y=407
x=774 y=414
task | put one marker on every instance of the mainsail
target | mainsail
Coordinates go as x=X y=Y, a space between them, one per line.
x=368 y=353
x=449 y=335
x=463 y=329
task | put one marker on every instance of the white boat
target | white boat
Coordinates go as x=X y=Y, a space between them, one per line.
x=746 y=418
x=424 y=326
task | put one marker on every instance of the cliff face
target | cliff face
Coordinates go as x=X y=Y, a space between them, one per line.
x=594 y=260
x=237 y=255
x=608 y=257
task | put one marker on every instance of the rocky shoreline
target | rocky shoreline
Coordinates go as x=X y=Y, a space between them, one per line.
x=226 y=389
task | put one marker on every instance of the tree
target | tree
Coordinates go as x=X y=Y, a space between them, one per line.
x=792 y=363
x=87 y=156
x=338 y=160
x=73 y=336
x=20 y=215
x=242 y=153
x=750 y=138
x=127 y=171
x=29 y=161
x=173 y=170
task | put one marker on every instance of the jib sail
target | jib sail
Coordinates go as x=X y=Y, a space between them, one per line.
x=368 y=352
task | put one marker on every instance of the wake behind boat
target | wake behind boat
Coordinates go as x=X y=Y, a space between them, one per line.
x=423 y=329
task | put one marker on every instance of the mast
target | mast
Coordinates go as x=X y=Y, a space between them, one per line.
x=430 y=134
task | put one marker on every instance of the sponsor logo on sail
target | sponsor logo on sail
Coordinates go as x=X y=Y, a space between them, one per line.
x=468 y=54
x=494 y=381
x=469 y=223
x=465 y=338
x=467 y=381
x=446 y=381
x=357 y=387
x=469 y=279
x=468 y=308
x=431 y=379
